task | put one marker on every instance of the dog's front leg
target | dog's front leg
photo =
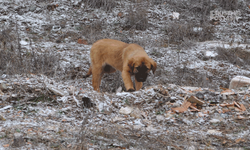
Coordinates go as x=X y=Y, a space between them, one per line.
x=127 y=81
x=138 y=85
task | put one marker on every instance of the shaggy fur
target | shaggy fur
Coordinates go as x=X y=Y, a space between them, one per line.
x=109 y=55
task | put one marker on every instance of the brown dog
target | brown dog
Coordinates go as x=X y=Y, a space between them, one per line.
x=109 y=55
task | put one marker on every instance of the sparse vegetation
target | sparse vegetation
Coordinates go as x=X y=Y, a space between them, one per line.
x=16 y=62
x=178 y=33
x=136 y=19
x=236 y=56
x=107 y=5
x=39 y=47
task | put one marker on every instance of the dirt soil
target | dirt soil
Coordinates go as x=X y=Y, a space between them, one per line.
x=46 y=104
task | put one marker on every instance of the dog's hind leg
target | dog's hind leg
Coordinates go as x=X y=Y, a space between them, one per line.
x=108 y=69
x=89 y=73
x=97 y=74
x=138 y=85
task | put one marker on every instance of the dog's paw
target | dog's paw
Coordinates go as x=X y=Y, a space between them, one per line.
x=131 y=90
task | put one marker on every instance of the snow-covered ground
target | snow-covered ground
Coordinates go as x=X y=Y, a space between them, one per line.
x=49 y=109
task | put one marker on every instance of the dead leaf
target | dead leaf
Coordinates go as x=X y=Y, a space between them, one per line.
x=222 y=88
x=228 y=92
x=235 y=103
x=68 y=145
x=184 y=107
x=224 y=142
x=194 y=99
x=6 y=145
x=223 y=105
x=64 y=120
x=225 y=110
x=120 y=14
x=194 y=108
x=238 y=140
x=82 y=41
x=29 y=130
x=242 y=107
x=240 y=117
x=237 y=109
x=215 y=23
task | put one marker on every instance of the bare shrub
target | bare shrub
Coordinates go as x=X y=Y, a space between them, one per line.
x=136 y=18
x=107 y=5
x=179 y=32
x=16 y=62
x=157 y=2
x=237 y=56
x=6 y=39
x=229 y=4
x=93 y=31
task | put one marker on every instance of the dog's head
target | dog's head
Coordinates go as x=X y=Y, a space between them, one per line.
x=140 y=67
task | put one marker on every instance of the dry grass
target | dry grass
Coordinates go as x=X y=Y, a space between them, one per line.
x=229 y=4
x=178 y=33
x=107 y=5
x=236 y=56
x=93 y=31
x=136 y=18
x=15 y=60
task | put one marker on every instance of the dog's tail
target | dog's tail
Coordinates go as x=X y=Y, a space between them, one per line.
x=89 y=73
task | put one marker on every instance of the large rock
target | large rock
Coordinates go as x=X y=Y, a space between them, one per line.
x=239 y=81
x=126 y=110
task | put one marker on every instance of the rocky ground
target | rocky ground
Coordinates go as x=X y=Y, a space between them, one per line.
x=46 y=104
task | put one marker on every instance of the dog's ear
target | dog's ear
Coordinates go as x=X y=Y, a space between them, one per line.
x=131 y=64
x=153 y=66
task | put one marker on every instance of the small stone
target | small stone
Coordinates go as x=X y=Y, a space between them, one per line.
x=32 y=8
x=55 y=90
x=168 y=115
x=119 y=90
x=71 y=90
x=214 y=121
x=18 y=140
x=176 y=105
x=151 y=129
x=126 y=110
x=160 y=118
x=224 y=97
x=1 y=93
x=2 y=118
x=199 y=95
x=116 y=119
x=136 y=113
x=214 y=132
x=137 y=127
x=191 y=148
x=3 y=87
x=210 y=54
